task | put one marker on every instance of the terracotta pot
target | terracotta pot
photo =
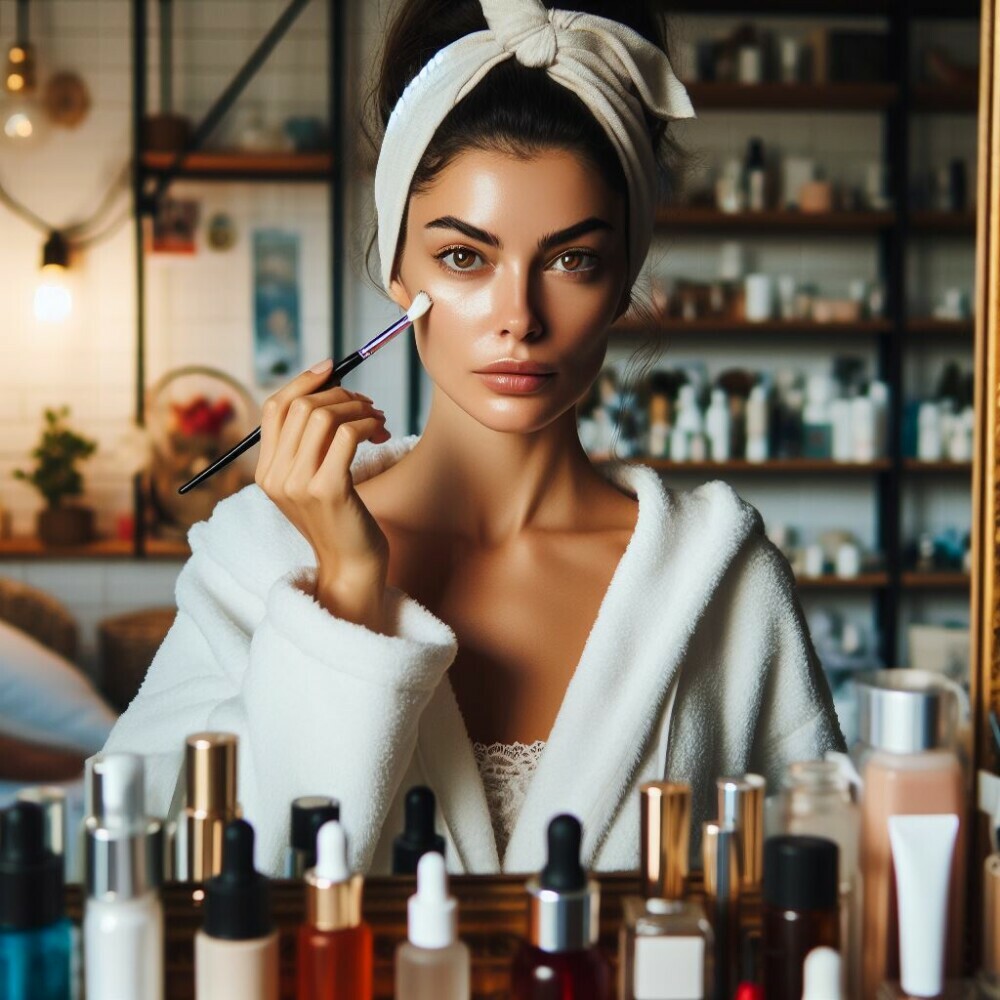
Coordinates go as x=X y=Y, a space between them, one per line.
x=65 y=525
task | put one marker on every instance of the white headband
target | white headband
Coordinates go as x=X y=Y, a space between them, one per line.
x=598 y=59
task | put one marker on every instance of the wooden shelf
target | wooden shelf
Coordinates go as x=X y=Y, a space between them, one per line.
x=955 y=468
x=774 y=466
x=710 y=219
x=928 y=326
x=935 y=98
x=935 y=580
x=941 y=223
x=827 y=97
x=30 y=548
x=230 y=165
x=864 y=581
x=744 y=328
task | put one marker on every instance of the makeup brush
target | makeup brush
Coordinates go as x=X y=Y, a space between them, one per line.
x=421 y=303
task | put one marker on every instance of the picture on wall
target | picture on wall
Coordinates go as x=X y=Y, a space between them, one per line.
x=174 y=226
x=277 y=298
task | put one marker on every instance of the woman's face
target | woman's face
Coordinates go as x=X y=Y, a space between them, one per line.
x=525 y=260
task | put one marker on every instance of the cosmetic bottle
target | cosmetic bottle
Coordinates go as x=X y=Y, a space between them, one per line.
x=798 y=909
x=988 y=977
x=863 y=429
x=905 y=754
x=930 y=444
x=757 y=425
x=52 y=799
x=658 y=438
x=756 y=177
x=236 y=951
x=665 y=942
x=432 y=964
x=36 y=939
x=309 y=813
x=816 y=800
x=821 y=975
x=841 y=430
x=691 y=423
x=741 y=805
x=210 y=803
x=817 y=430
x=335 y=944
x=561 y=958
x=717 y=425
x=720 y=850
x=418 y=836
x=123 y=916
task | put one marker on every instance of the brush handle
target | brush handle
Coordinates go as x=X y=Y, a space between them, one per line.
x=339 y=371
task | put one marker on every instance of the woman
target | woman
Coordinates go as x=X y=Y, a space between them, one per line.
x=370 y=611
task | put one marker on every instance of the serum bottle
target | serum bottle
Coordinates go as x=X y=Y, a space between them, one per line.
x=123 y=916
x=432 y=964
x=36 y=939
x=236 y=951
x=335 y=945
x=418 y=836
x=665 y=943
x=561 y=957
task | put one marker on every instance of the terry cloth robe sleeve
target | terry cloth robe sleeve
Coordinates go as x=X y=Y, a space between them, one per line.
x=320 y=705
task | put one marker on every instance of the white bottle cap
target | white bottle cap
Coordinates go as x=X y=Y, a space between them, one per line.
x=821 y=975
x=331 y=853
x=432 y=913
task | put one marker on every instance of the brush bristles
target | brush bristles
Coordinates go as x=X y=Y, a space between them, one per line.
x=421 y=303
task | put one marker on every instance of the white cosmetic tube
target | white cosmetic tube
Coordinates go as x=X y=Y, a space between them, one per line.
x=922 y=848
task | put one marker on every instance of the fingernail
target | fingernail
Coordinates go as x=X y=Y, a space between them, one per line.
x=322 y=366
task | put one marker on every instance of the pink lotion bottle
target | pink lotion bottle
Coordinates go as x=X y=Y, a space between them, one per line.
x=561 y=958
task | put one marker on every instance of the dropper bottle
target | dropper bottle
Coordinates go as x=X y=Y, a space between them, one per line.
x=561 y=957
x=432 y=964
x=236 y=951
x=36 y=939
x=335 y=945
x=418 y=836
x=123 y=916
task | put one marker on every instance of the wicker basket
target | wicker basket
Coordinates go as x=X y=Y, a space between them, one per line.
x=127 y=645
x=40 y=615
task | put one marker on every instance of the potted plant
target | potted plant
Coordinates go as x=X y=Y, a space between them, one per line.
x=55 y=476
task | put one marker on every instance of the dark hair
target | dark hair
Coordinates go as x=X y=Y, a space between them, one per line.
x=514 y=109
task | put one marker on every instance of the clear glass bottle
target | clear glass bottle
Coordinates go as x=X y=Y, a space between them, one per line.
x=665 y=942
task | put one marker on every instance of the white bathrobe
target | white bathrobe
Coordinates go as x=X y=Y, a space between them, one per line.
x=699 y=664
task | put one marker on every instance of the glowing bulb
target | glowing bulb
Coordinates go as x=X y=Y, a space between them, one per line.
x=21 y=121
x=53 y=296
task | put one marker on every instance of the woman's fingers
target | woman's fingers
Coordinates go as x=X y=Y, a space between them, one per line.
x=333 y=477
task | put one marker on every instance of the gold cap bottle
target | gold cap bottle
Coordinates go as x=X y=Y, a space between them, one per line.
x=741 y=805
x=333 y=895
x=666 y=837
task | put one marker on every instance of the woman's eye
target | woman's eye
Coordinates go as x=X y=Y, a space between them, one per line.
x=462 y=259
x=575 y=260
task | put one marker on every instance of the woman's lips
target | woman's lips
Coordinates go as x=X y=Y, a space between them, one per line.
x=508 y=383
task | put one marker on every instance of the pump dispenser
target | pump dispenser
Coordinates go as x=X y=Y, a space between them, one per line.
x=123 y=916
x=309 y=813
x=36 y=939
x=236 y=951
x=418 y=836
x=335 y=945
x=561 y=957
x=432 y=964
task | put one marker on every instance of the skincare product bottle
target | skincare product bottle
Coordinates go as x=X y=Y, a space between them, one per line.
x=418 y=836
x=907 y=761
x=665 y=942
x=717 y=425
x=816 y=801
x=817 y=429
x=757 y=425
x=930 y=442
x=123 y=916
x=756 y=176
x=691 y=423
x=52 y=799
x=657 y=442
x=236 y=951
x=720 y=852
x=821 y=975
x=210 y=803
x=798 y=909
x=863 y=430
x=432 y=964
x=309 y=813
x=36 y=939
x=988 y=978
x=335 y=944
x=842 y=430
x=561 y=957
x=741 y=805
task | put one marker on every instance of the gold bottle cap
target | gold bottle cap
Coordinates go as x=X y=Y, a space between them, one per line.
x=210 y=771
x=333 y=906
x=741 y=804
x=666 y=836
x=991 y=914
x=720 y=852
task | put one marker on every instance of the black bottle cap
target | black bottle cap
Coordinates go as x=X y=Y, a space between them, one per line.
x=800 y=873
x=309 y=813
x=563 y=871
x=31 y=876
x=418 y=836
x=238 y=899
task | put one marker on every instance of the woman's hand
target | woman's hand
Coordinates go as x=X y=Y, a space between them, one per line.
x=308 y=440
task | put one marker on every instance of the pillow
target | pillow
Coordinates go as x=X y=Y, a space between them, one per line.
x=46 y=699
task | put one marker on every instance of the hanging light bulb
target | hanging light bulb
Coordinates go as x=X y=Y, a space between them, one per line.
x=53 y=296
x=21 y=114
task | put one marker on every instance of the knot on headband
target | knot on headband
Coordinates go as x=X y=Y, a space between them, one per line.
x=619 y=75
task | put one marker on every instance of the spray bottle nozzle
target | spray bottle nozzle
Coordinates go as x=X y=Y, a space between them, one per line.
x=563 y=871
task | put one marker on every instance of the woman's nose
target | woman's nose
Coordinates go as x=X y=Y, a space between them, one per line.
x=518 y=311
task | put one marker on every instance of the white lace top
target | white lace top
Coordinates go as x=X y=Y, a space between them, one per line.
x=506 y=770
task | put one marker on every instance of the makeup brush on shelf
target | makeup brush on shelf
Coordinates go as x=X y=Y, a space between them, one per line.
x=421 y=303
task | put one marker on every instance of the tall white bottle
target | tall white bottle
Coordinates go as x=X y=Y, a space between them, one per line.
x=123 y=916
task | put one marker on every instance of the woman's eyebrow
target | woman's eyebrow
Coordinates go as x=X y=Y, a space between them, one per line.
x=546 y=242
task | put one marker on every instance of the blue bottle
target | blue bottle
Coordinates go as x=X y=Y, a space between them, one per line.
x=36 y=939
